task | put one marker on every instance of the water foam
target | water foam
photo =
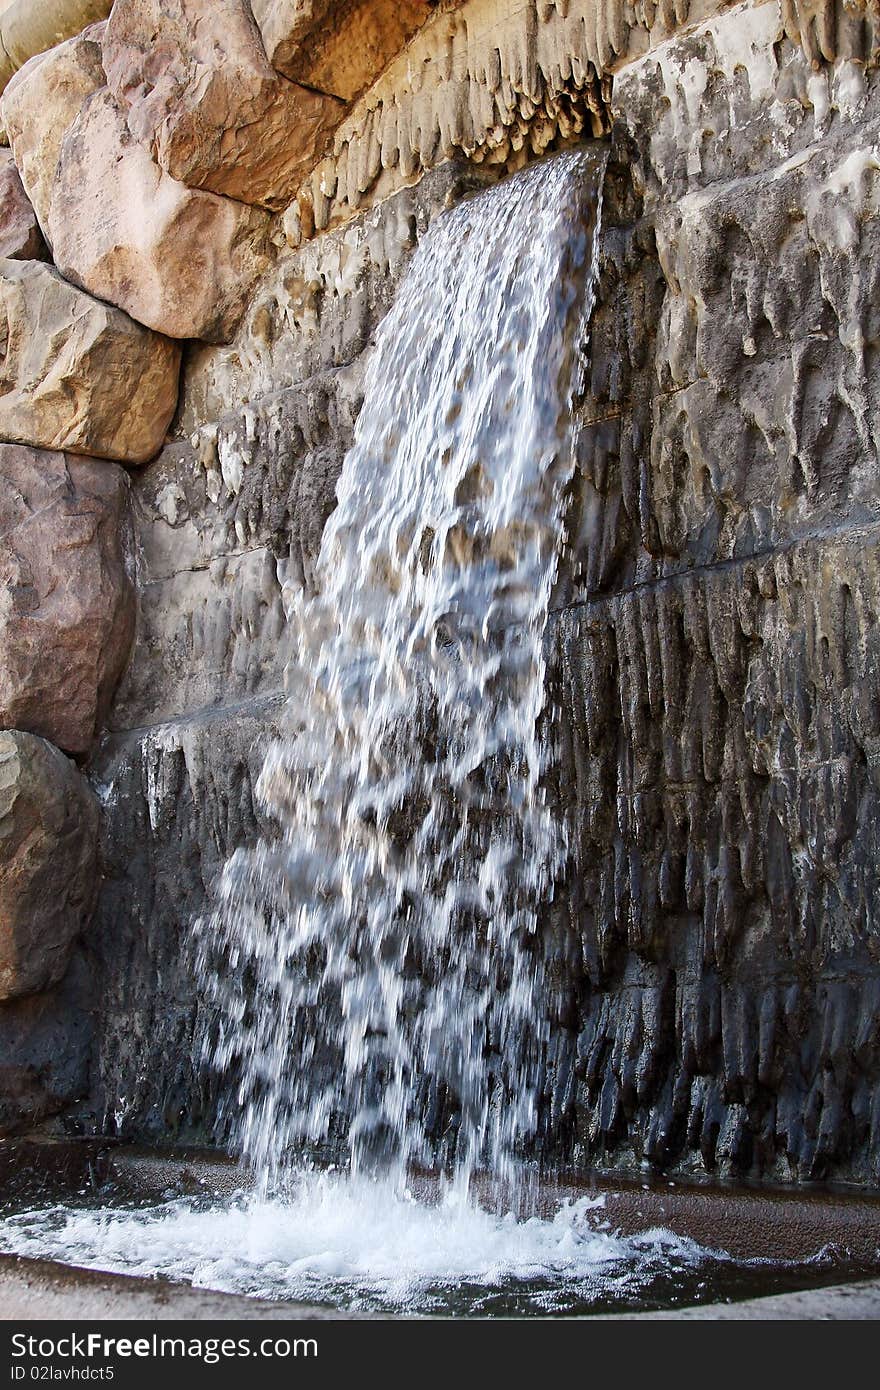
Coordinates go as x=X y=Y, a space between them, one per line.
x=360 y=1245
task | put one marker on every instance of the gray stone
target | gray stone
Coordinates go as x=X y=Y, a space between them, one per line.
x=228 y=527
x=45 y=1050
x=179 y=800
x=713 y=653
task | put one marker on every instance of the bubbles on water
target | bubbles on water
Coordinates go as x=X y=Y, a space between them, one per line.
x=360 y=1246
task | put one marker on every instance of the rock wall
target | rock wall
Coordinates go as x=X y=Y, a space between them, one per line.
x=715 y=648
x=713 y=656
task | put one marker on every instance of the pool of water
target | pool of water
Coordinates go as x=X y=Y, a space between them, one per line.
x=365 y=1246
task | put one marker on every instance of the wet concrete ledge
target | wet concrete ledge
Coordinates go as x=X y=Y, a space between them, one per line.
x=37 y=1290
x=840 y=1302
x=40 y=1291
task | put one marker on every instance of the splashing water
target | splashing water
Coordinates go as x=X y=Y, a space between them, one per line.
x=378 y=970
x=355 y=1244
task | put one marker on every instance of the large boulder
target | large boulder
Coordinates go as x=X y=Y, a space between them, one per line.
x=177 y=259
x=337 y=48
x=20 y=236
x=66 y=603
x=78 y=374
x=32 y=26
x=200 y=93
x=48 y=863
x=40 y=105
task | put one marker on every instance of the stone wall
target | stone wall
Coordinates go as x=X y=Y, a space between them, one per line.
x=716 y=650
x=713 y=952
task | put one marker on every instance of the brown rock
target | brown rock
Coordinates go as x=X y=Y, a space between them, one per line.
x=48 y=863
x=78 y=374
x=66 y=603
x=40 y=105
x=177 y=259
x=337 y=48
x=199 y=92
x=20 y=236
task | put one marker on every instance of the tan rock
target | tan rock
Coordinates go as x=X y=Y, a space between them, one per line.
x=66 y=603
x=20 y=236
x=177 y=259
x=40 y=105
x=78 y=374
x=201 y=95
x=337 y=48
x=48 y=863
x=33 y=26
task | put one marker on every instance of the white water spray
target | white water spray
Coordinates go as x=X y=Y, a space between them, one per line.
x=378 y=971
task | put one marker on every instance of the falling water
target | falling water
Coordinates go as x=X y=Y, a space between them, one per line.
x=378 y=970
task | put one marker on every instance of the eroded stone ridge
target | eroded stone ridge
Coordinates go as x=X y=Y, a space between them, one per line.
x=48 y=879
x=493 y=82
x=832 y=29
x=199 y=92
x=78 y=374
x=67 y=606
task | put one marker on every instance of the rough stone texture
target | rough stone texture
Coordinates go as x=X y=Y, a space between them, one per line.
x=204 y=99
x=45 y=1048
x=319 y=305
x=66 y=603
x=39 y=106
x=495 y=82
x=339 y=48
x=20 y=237
x=179 y=260
x=226 y=521
x=226 y=529
x=500 y=81
x=49 y=834
x=179 y=798
x=713 y=952
x=77 y=374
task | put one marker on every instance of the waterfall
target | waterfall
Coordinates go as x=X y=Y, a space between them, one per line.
x=377 y=971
